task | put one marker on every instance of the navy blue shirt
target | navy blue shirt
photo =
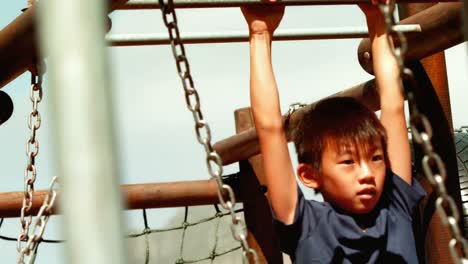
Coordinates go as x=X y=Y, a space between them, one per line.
x=321 y=233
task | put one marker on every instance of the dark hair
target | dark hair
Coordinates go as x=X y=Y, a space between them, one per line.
x=341 y=121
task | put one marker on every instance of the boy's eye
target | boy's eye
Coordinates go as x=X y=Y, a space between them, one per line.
x=347 y=162
x=377 y=158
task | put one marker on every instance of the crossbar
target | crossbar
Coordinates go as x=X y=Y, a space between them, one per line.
x=121 y=40
x=17 y=48
x=154 y=4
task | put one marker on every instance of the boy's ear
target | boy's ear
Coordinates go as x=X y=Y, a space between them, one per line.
x=308 y=175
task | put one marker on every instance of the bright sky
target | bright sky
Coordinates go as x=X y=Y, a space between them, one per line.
x=155 y=130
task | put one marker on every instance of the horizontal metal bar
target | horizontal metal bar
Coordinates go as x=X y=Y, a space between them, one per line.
x=18 y=50
x=136 y=196
x=153 y=4
x=243 y=36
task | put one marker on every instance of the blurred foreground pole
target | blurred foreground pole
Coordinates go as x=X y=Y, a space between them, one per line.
x=72 y=34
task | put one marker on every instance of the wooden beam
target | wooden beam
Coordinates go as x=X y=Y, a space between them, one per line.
x=17 y=46
x=245 y=144
x=136 y=196
x=441 y=28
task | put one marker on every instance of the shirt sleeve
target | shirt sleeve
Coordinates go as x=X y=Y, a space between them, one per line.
x=305 y=217
x=405 y=197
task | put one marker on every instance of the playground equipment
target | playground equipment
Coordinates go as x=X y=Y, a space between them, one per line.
x=92 y=85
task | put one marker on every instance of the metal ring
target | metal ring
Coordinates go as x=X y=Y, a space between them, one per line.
x=238 y=229
x=37 y=124
x=442 y=209
x=426 y=126
x=35 y=88
x=192 y=107
x=30 y=153
x=454 y=252
x=214 y=157
x=428 y=169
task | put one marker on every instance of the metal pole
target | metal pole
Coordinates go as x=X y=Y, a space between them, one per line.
x=79 y=86
x=136 y=196
x=153 y=4
x=243 y=36
x=17 y=48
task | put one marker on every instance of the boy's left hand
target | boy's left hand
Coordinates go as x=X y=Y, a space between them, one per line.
x=263 y=19
x=372 y=9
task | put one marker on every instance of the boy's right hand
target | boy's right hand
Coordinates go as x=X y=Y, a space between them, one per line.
x=372 y=10
x=263 y=19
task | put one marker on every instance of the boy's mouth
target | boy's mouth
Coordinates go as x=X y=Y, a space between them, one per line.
x=371 y=190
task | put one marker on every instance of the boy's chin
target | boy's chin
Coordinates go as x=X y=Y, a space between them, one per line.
x=362 y=211
x=363 y=208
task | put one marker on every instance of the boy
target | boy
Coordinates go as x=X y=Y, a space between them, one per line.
x=345 y=153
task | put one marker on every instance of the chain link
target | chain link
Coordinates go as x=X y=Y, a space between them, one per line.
x=39 y=226
x=202 y=129
x=432 y=164
x=32 y=149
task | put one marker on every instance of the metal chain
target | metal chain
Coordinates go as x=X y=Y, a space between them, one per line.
x=202 y=129
x=39 y=226
x=432 y=164
x=32 y=149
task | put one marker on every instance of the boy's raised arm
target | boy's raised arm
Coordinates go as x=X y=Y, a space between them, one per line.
x=387 y=76
x=279 y=173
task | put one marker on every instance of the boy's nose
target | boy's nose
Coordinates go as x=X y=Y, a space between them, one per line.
x=365 y=174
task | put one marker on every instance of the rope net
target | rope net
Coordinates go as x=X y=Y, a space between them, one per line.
x=197 y=234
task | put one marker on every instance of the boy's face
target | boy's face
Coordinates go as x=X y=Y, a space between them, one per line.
x=351 y=178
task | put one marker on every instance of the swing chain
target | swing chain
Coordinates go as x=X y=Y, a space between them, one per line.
x=432 y=164
x=202 y=129
x=32 y=149
x=40 y=224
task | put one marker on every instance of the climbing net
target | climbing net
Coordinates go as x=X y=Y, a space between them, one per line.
x=199 y=233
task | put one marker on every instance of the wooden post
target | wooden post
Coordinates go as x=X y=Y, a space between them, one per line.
x=258 y=218
x=437 y=237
